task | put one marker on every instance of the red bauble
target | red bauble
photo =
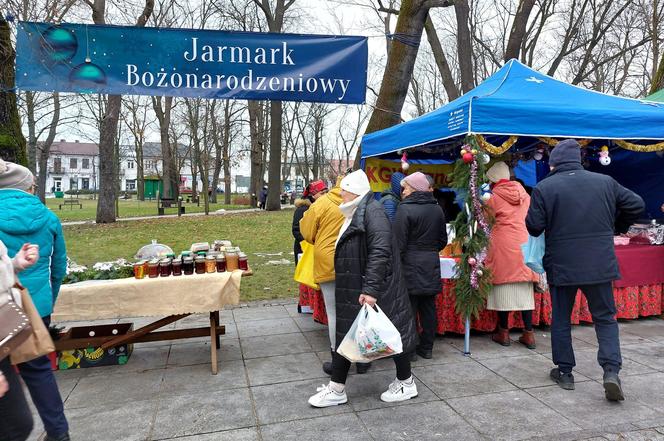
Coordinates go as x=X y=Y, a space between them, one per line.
x=467 y=158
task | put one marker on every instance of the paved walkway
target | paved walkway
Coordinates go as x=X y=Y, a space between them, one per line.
x=167 y=216
x=271 y=363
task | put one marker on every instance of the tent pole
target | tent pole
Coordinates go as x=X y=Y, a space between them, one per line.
x=466 y=338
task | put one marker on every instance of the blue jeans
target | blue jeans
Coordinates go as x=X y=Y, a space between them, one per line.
x=39 y=378
x=603 y=310
x=15 y=416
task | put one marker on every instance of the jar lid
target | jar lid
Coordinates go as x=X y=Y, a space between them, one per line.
x=210 y=258
x=200 y=258
x=140 y=262
x=188 y=259
x=153 y=261
x=221 y=258
x=177 y=261
x=165 y=261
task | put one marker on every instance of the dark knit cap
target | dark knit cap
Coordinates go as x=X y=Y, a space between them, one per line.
x=565 y=152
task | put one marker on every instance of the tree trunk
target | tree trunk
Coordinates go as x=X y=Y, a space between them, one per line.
x=441 y=61
x=658 y=80
x=256 y=155
x=399 y=69
x=168 y=170
x=108 y=173
x=45 y=150
x=464 y=45
x=32 y=131
x=274 y=170
x=226 y=151
x=140 y=173
x=518 y=31
x=12 y=142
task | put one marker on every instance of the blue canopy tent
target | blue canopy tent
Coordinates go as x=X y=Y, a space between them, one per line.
x=532 y=109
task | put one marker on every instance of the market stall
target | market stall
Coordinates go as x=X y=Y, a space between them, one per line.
x=164 y=286
x=518 y=115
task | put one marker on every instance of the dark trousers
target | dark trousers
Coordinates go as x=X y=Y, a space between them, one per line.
x=15 y=415
x=425 y=307
x=340 y=367
x=526 y=316
x=603 y=310
x=39 y=378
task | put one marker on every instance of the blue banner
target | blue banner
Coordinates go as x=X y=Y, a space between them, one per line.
x=128 y=60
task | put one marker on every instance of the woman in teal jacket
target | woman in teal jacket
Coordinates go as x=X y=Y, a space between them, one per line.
x=24 y=219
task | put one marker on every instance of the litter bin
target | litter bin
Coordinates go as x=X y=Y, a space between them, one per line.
x=59 y=194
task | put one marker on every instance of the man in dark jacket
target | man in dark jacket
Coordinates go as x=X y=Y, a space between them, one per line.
x=421 y=233
x=390 y=199
x=579 y=212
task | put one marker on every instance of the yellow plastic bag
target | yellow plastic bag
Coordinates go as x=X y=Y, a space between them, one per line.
x=304 y=272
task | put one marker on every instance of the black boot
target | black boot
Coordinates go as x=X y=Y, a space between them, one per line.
x=612 y=386
x=64 y=437
x=327 y=365
x=564 y=380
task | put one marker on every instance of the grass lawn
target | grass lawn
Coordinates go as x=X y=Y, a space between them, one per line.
x=256 y=233
x=128 y=208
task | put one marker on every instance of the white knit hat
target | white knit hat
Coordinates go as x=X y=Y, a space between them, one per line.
x=499 y=171
x=15 y=176
x=356 y=183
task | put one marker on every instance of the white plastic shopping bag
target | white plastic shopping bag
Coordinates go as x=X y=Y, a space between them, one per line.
x=371 y=336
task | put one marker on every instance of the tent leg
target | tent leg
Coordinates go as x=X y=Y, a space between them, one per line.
x=466 y=339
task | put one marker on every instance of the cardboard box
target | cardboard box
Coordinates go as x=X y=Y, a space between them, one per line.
x=94 y=356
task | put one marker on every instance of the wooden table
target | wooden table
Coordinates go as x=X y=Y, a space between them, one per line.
x=147 y=297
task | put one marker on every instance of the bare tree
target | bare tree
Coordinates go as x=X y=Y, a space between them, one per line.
x=137 y=119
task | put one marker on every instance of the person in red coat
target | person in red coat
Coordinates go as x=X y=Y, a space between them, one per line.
x=513 y=288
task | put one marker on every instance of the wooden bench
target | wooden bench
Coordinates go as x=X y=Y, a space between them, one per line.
x=70 y=203
x=164 y=203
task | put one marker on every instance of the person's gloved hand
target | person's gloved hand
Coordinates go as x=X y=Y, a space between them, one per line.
x=26 y=256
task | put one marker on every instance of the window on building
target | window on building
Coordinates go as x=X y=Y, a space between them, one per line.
x=130 y=164
x=73 y=184
x=150 y=165
x=130 y=184
x=57 y=184
x=73 y=163
x=85 y=163
x=57 y=165
x=85 y=182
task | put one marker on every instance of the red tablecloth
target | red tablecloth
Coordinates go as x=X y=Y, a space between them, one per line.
x=631 y=302
x=640 y=265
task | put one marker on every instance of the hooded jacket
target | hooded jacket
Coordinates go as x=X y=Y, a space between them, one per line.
x=301 y=205
x=24 y=219
x=390 y=199
x=509 y=204
x=420 y=232
x=367 y=262
x=320 y=226
x=580 y=211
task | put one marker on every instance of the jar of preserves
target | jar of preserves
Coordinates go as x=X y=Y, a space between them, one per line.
x=188 y=265
x=221 y=263
x=153 y=268
x=177 y=267
x=199 y=265
x=232 y=260
x=210 y=264
x=165 y=267
x=243 y=261
x=139 y=270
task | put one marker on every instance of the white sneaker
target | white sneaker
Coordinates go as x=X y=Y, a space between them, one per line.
x=326 y=397
x=399 y=391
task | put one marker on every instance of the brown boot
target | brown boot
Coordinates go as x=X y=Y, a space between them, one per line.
x=501 y=336
x=528 y=339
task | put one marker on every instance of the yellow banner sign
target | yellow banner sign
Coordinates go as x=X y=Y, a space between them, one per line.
x=380 y=172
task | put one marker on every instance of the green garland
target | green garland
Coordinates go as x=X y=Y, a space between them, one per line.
x=470 y=301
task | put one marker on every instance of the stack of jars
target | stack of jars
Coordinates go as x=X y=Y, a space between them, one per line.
x=187 y=263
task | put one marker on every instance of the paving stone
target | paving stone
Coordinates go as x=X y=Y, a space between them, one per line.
x=255 y=328
x=481 y=347
x=263 y=313
x=511 y=415
x=271 y=345
x=192 y=414
x=586 y=364
x=66 y=386
x=345 y=427
x=227 y=435
x=638 y=435
x=364 y=391
x=283 y=368
x=102 y=422
x=647 y=388
x=524 y=372
x=116 y=388
x=199 y=352
x=319 y=340
x=587 y=407
x=461 y=379
x=645 y=327
x=648 y=354
x=270 y=399
x=199 y=378
x=443 y=352
x=422 y=422
x=307 y=323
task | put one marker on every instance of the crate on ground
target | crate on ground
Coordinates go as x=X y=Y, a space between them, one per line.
x=89 y=355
